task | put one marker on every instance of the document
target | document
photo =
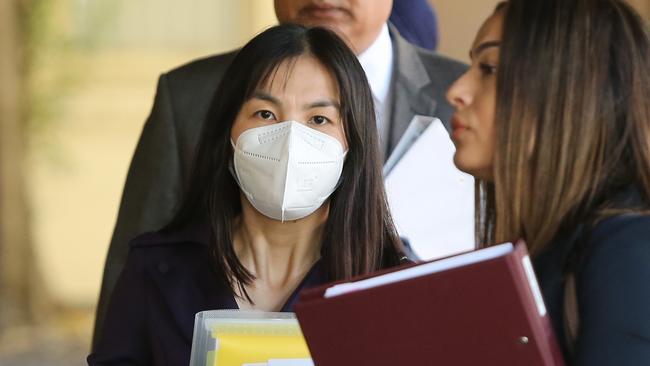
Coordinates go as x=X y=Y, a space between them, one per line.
x=431 y=201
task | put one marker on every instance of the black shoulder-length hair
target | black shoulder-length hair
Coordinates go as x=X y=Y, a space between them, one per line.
x=359 y=236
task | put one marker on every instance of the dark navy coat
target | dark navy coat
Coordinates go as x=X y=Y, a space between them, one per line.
x=612 y=272
x=167 y=279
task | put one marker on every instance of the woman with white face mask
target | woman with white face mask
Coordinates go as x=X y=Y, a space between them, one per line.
x=286 y=192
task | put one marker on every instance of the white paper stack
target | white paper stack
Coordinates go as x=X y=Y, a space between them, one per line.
x=284 y=362
x=432 y=202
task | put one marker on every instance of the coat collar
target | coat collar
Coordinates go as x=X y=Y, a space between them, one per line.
x=194 y=232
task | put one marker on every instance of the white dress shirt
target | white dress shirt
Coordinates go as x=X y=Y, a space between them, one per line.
x=377 y=62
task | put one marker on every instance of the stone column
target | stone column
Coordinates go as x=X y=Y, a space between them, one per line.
x=15 y=245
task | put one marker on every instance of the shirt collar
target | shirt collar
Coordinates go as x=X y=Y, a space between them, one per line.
x=377 y=62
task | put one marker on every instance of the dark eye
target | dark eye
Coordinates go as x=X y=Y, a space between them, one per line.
x=487 y=69
x=265 y=115
x=319 y=120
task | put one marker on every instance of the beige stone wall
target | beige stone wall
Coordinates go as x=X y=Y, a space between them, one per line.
x=460 y=19
x=643 y=6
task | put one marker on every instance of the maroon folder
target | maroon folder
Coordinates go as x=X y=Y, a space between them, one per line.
x=485 y=313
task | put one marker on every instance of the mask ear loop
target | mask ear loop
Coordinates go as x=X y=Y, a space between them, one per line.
x=338 y=184
x=231 y=164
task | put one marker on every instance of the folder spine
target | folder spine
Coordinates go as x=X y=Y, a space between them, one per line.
x=543 y=333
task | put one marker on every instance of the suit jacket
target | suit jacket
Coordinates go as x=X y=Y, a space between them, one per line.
x=162 y=159
x=611 y=262
x=167 y=278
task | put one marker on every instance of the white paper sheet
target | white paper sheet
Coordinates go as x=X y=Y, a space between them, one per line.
x=291 y=362
x=432 y=202
x=284 y=362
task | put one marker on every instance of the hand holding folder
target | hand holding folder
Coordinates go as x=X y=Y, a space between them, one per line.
x=477 y=308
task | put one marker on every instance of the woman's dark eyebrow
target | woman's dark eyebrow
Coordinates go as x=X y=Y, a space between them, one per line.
x=317 y=104
x=267 y=97
x=323 y=103
x=481 y=47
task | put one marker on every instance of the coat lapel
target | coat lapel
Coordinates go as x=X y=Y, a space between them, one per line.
x=411 y=91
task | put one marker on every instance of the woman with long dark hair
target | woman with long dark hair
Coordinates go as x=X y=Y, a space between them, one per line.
x=286 y=192
x=553 y=119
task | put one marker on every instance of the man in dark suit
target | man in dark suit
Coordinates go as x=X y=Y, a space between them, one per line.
x=405 y=81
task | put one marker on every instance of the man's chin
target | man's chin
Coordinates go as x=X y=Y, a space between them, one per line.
x=318 y=15
x=332 y=24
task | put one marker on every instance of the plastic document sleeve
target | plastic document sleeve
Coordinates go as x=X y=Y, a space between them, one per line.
x=237 y=338
x=478 y=308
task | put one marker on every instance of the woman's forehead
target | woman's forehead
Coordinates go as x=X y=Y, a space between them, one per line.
x=301 y=76
x=490 y=31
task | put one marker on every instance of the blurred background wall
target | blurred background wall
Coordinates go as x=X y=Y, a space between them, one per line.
x=77 y=80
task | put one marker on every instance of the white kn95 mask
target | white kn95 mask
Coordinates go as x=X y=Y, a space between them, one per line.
x=287 y=170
